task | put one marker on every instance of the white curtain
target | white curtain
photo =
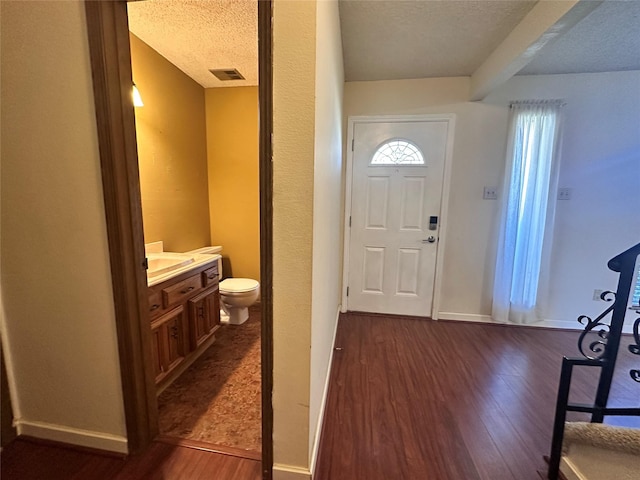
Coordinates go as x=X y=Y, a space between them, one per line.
x=527 y=213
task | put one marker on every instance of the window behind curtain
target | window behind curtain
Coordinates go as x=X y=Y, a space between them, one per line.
x=528 y=209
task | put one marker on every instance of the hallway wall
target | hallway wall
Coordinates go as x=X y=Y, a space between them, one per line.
x=294 y=64
x=58 y=327
x=328 y=207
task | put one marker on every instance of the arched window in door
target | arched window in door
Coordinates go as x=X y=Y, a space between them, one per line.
x=397 y=152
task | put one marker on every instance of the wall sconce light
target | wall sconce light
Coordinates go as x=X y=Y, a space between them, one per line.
x=137 y=99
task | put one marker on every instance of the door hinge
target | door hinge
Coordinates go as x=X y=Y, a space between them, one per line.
x=349 y=220
x=347 y=291
x=352 y=143
x=145 y=263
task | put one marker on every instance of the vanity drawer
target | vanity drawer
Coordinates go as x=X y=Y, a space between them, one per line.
x=155 y=303
x=210 y=276
x=181 y=291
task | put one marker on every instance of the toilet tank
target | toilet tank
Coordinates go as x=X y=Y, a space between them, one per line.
x=212 y=250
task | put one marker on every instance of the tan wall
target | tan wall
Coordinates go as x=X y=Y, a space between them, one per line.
x=294 y=64
x=234 y=190
x=58 y=326
x=172 y=152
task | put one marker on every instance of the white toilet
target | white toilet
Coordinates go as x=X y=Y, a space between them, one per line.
x=236 y=294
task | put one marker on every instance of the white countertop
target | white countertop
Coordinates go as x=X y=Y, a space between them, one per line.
x=198 y=261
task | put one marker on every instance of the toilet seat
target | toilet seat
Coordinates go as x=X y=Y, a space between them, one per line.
x=238 y=285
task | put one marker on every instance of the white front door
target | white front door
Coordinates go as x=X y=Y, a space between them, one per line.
x=396 y=193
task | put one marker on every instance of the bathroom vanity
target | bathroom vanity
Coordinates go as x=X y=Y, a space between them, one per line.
x=184 y=309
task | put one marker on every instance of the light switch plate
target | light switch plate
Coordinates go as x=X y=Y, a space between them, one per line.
x=490 y=193
x=564 y=193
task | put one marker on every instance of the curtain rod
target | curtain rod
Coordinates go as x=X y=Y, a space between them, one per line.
x=555 y=101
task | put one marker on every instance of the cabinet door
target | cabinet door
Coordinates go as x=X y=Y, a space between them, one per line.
x=214 y=310
x=204 y=317
x=176 y=340
x=169 y=345
x=157 y=341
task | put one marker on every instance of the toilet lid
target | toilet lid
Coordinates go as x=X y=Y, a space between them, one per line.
x=238 y=285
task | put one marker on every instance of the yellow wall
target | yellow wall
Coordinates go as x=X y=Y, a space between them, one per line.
x=234 y=200
x=58 y=327
x=172 y=152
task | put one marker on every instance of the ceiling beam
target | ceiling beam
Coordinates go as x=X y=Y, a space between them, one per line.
x=547 y=21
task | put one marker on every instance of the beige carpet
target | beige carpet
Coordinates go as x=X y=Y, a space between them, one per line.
x=600 y=452
x=603 y=436
x=217 y=400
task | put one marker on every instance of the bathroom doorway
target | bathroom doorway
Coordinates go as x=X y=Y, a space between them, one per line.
x=197 y=140
x=111 y=64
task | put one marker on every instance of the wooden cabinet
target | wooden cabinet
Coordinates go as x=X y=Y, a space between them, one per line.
x=170 y=345
x=156 y=355
x=185 y=314
x=204 y=316
x=177 y=294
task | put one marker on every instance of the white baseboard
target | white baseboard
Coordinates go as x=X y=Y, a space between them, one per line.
x=547 y=323
x=73 y=436
x=465 y=317
x=288 y=472
x=316 y=446
x=573 y=325
x=566 y=324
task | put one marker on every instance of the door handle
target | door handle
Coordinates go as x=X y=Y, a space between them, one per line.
x=431 y=239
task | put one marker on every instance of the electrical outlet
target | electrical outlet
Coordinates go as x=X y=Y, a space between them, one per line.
x=490 y=193
x=596 y=295
x=564 y=193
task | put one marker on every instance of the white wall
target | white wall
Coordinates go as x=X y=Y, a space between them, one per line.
x=478 y=157
x=307 y=223
x=327 y=209
x=600 y=162
x=59 y=325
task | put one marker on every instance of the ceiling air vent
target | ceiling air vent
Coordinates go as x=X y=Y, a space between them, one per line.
x=225 y=74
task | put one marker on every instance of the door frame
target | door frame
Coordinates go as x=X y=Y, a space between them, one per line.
x=450 y=118
x=110 y=55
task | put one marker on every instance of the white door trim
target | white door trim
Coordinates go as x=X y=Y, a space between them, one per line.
x=450 y=118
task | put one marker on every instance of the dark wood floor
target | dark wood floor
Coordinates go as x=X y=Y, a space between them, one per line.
x=424 y=400
x=409 y=399
x=27 y=460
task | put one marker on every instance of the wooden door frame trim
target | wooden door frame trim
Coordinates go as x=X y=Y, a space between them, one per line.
x=107 y=29
x=265 y=100
x=108 y=36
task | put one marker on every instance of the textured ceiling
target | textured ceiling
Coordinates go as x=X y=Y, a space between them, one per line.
x=387 y=39
x=199 y=35
x=608 y=40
